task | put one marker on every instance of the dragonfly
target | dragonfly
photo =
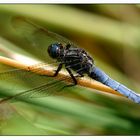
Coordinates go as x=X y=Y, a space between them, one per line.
x=52 y=46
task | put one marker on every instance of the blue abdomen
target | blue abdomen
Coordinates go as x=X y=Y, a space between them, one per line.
x=102 y=77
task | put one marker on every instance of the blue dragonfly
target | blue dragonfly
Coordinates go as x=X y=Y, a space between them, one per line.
x=52 y=47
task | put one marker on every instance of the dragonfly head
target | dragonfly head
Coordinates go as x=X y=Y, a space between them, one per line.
x=54 y=50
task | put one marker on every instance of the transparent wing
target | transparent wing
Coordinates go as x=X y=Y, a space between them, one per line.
x=31 y=78
x=55 y=87
x=33 y=84
x=37 y=39
x=13 y=77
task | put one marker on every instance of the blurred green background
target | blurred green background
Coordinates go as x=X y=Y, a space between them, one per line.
x=111 y=33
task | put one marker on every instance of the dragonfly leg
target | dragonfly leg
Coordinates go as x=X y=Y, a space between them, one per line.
x=58 y=69
x=72 y=76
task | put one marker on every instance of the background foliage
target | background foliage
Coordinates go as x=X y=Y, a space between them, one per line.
x=111 y=34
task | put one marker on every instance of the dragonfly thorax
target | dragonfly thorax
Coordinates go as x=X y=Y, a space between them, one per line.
x=78 y=60
x=74 y=58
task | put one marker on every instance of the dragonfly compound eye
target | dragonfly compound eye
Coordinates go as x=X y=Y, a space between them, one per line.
x=54 y=50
